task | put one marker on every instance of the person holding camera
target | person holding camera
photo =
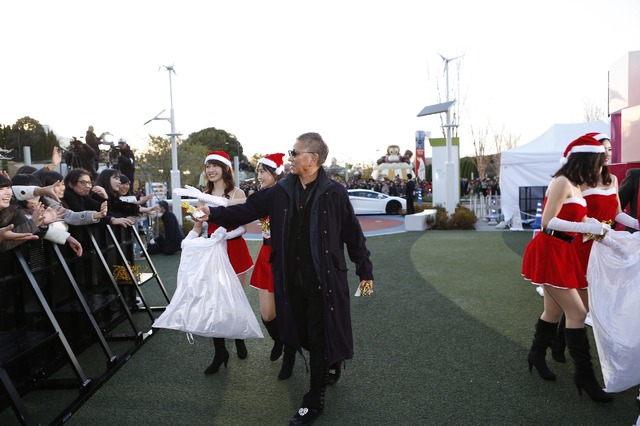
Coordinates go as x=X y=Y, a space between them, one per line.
x=94 y=142
x=126 y=160
x=81 y=155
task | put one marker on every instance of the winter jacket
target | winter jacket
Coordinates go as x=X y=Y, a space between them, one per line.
x=333 y=226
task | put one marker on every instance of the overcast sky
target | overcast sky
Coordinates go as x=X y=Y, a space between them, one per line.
x=358 y=72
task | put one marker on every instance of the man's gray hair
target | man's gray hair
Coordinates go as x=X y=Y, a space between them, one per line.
x=313 y=143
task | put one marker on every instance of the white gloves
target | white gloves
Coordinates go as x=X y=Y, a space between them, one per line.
x=592 y=226
x=213 y=199
x=190 y=191
x=628 y=221
x=236 y=232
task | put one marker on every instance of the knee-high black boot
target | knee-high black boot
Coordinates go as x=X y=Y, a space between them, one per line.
x=541 y=341
x=242 y=349
x=558 y=344
x=288 y=361
x=272 y=329
x=584 y=378
x=220 y=356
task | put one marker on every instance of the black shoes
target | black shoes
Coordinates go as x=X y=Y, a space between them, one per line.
x=242 y=349
x=288 y=361
x=333 y=374
x=305 y=416
x=219 y=359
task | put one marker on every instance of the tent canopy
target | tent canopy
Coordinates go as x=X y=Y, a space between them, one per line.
x=534 y=163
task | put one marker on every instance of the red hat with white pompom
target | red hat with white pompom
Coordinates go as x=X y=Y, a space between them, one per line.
x=220 y=156
x=275 y=161
x=586 y=143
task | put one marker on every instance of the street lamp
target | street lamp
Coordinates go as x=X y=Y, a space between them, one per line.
x=175 y=173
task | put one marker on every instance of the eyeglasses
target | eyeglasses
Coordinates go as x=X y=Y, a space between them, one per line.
x=294 y=153
x=84 y=182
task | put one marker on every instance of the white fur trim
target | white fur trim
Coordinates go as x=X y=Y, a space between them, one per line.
x=602 y=136
x=587 y=148
x=219 y=158
x=272 y=164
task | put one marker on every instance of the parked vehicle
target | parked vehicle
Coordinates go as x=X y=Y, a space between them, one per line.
x=365 y=201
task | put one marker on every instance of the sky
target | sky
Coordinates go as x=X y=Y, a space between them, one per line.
x=358 y=72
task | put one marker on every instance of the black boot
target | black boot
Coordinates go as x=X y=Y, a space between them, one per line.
x=313 y=401
x=584 y=378
x=272 y=328
x=242 y=349
x=220 y=356
x=541 y=341
x=288 y=361
x=558 y=344
x=333 y=373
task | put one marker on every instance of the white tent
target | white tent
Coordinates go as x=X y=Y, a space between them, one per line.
x=533 y=164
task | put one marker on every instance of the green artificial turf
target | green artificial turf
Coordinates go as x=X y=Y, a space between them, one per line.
x=443 y=341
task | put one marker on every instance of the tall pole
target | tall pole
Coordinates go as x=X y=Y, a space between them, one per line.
x=175 y=173
x=452 y=183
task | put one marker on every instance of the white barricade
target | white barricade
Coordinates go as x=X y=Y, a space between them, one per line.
x=418 y=221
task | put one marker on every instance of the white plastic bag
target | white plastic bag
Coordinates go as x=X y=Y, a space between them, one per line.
x=209 y=300
x=614 y=301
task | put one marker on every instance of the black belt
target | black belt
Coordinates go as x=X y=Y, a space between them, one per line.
x=266 y=242
x=561 y=235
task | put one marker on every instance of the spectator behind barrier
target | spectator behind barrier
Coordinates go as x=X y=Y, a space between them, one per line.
x=170 y=242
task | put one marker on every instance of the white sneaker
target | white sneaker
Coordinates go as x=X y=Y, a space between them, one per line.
x=540 y=290
x=587 y=320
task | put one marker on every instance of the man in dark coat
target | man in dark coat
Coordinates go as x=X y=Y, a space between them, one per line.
x=409 y=193
x=126 y=160
x=311 y=222
x=171 y=241
x=628 y=193
x=81 y=155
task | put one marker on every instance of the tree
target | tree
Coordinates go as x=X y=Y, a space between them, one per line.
x=502 y=140
x=468 y=168
x=479 y=139
x=29 y=132
x=217 y=140
x=155 y=162
x=593 y=112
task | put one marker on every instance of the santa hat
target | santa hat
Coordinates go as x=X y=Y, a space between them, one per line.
x=220 y=156
x=274 y=161
x=601 y=136
x=586 y=143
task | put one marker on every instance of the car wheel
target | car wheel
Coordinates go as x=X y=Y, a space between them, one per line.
x=393 y=207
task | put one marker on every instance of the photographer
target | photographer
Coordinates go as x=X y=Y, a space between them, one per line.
x=126 y=160
x=81 y=155
x=94 y=142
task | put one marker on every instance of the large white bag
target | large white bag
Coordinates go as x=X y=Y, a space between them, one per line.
x=614 y=301
x=209 y=299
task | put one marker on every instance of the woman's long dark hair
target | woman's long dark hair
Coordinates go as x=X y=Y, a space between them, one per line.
x=227 y=178
x=104 y=180
x=584 y=168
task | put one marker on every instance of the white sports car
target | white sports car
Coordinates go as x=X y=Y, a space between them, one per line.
x=365 y=201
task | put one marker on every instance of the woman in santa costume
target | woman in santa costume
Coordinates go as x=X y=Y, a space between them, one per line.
x=551 y=261
x=603 y=204
x=221 y=184
x=270 y=169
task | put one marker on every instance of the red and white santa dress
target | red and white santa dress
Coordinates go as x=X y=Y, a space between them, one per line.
x=550 y=260
x=602 y=205
x=261 y=277
x=237 y=250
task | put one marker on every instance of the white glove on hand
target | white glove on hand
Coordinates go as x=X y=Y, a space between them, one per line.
x=236 y=232
x=188 y=191
x=592 y=226
x=213 y=199
x=628 y=221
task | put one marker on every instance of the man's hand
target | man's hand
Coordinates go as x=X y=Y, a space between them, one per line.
x=7 y=234
x=365 y=288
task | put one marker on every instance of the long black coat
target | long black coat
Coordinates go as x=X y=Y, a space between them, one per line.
x=333 y=225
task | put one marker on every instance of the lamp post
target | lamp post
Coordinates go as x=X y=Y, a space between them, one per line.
x=175 y=173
